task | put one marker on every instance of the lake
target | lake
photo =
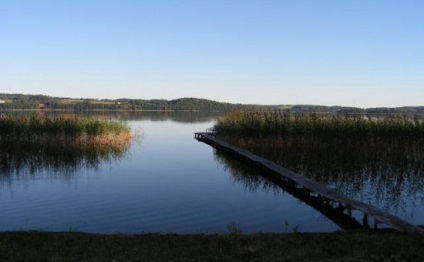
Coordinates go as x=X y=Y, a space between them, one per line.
x=165 y=183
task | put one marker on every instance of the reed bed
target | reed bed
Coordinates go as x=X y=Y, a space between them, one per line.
x=66 y=131
x=319 y=126
x=388 y=174
x=378 y=159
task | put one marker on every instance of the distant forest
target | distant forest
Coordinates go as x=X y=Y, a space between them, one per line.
x=42 y=102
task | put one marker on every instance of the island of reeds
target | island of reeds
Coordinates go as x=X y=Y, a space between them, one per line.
x=60 y=143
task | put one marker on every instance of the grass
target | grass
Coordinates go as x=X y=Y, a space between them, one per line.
x=380 y=160
x=63 y=144
x=69 y=131
x=395 y=170
x=72 y=246
x=341 y=151
x=319 y=126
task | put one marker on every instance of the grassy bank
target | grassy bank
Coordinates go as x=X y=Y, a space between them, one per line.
x=39 y=246
x=319 y=126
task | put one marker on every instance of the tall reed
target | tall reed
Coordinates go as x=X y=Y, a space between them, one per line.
x=80 y=131
x=378 y=159
x=318 y=126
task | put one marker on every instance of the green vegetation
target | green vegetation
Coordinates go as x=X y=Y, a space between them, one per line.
x=234 y=229
x=319 y=126
x=63 y=130
x=380 y=160
x=59 y=143
x=40 y=102
x=43 y=246
x=395 y=170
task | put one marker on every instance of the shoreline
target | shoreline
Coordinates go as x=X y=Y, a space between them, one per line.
x=336 y=246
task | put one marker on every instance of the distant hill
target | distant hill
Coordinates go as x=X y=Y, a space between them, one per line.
x=34 y=102
x=350 y=110
x=21 y=101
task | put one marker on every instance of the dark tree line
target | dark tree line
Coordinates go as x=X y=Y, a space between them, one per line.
x=21 y=101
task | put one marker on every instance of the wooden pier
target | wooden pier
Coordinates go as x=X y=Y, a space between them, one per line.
x=322 y=193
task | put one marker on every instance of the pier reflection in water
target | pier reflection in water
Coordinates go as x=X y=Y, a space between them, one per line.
x=168 y=183
x=262 y=180
x=386 y=174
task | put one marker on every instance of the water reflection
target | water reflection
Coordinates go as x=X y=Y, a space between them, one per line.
x=387 y=174
x=254 y=181
x=251 y=179
x=29 y=159
x=154 y=116
x=180 y=117
x=169 y=183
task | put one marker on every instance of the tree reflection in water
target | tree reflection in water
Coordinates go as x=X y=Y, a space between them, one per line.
x=385 y=173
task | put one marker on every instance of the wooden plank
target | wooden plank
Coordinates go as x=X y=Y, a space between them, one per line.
x=322 y=190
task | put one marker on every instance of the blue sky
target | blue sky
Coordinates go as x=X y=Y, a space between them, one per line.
x=363 y=53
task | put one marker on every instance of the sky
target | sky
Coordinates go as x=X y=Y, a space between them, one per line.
x=362 y=53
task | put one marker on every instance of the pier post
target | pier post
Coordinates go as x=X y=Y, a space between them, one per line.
x=375 y=224
x=365 y=220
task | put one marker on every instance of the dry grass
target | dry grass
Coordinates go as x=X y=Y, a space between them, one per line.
x=65 y=131
x=111 y=140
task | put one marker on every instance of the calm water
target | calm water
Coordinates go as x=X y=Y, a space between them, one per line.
x=166 y=183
